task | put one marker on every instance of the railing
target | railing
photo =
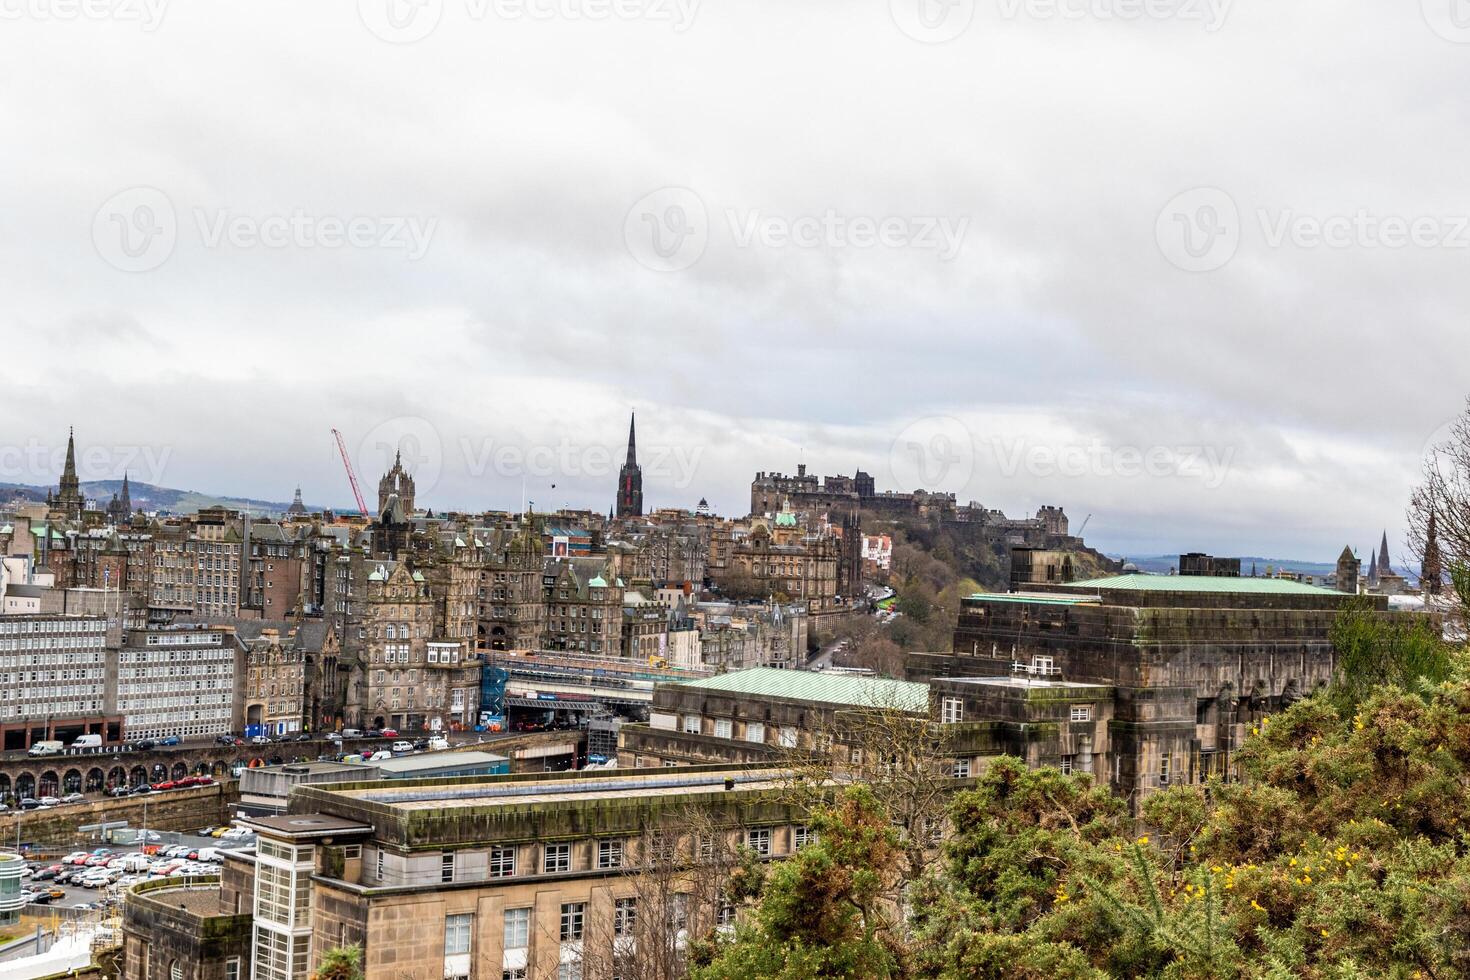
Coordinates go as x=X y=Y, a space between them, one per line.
x=1036 y=670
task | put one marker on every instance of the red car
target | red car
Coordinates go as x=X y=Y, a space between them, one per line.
x=390 y=733
x=166 y=784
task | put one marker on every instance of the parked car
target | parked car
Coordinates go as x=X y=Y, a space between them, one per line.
x=171 y=740
x=334 y=737
x=140 y=789
x=27 y=803
x=160 y=787
x=73 y=798
x=382 y=755
x=49 y=872
x=144 y=744
x=50 y=801
x=118 y=791
x=389 y=733
x=402 y=748
x=351 y=733
x=438 y=743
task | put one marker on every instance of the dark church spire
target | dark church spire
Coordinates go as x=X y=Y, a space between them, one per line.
x=68 y=490
x=630 y=479
x=1383 y=566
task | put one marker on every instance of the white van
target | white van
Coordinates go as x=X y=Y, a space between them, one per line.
x=46 y=748
x=87 y=742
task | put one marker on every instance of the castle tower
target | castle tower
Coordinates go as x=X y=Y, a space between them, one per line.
x=630 y=479
x=1348 y=568
x=396 y=482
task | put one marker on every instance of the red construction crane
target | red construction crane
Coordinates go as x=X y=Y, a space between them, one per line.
x=351 y=476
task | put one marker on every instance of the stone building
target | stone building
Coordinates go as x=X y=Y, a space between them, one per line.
x=584 y=607
x=756 y=715
x=397 y=482
x=182 y=929
x=778 y=557
x=275 y=685
x=549 y=875
x=1165 y=672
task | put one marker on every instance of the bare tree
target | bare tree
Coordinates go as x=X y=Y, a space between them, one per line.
x=677 y=889
x=905 y=758
x=1444 y=495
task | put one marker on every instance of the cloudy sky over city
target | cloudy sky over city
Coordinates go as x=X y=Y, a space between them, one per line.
x=1192 y=267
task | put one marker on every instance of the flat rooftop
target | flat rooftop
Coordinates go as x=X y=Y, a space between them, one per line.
x=845 y=690
x=662 y=783
x=1201 y=583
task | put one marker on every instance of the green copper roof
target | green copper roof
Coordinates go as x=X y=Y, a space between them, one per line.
x=1032 y=597
x=1202 y=583
x=806 y=685
x=785 y=520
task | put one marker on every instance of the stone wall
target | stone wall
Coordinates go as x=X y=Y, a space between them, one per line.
x=179 y=809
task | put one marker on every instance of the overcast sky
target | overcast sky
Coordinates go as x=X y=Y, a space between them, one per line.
x=1093 y=256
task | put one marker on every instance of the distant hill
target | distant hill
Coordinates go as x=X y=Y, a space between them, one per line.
x=1161 y=564
x=154 y=499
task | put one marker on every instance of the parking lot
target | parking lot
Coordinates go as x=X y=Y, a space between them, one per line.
x=164 y=854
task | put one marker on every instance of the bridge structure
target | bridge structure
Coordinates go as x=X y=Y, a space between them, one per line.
x=583 y=685
x=97 y=770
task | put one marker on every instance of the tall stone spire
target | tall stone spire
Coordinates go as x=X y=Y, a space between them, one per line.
x=630 y=479
x=1431 y=571
x=1384 y=568
x=127 y=498
x=69 y=490
x=1372 y=568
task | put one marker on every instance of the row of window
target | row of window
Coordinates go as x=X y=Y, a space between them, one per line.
x=26 y=627
x=952 y=711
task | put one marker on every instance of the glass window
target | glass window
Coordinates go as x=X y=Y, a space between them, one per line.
x=951 y=710
x=573 y=916
x=758 y=839
x=558 y=858
x=517 y=928
x=961 y=768
x=625 y=916
x=609 y=854
x=446 y=868
x=1081 y=712
x=502 y=862
x=755 y=731
x=457 y=929
x=722 y=728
